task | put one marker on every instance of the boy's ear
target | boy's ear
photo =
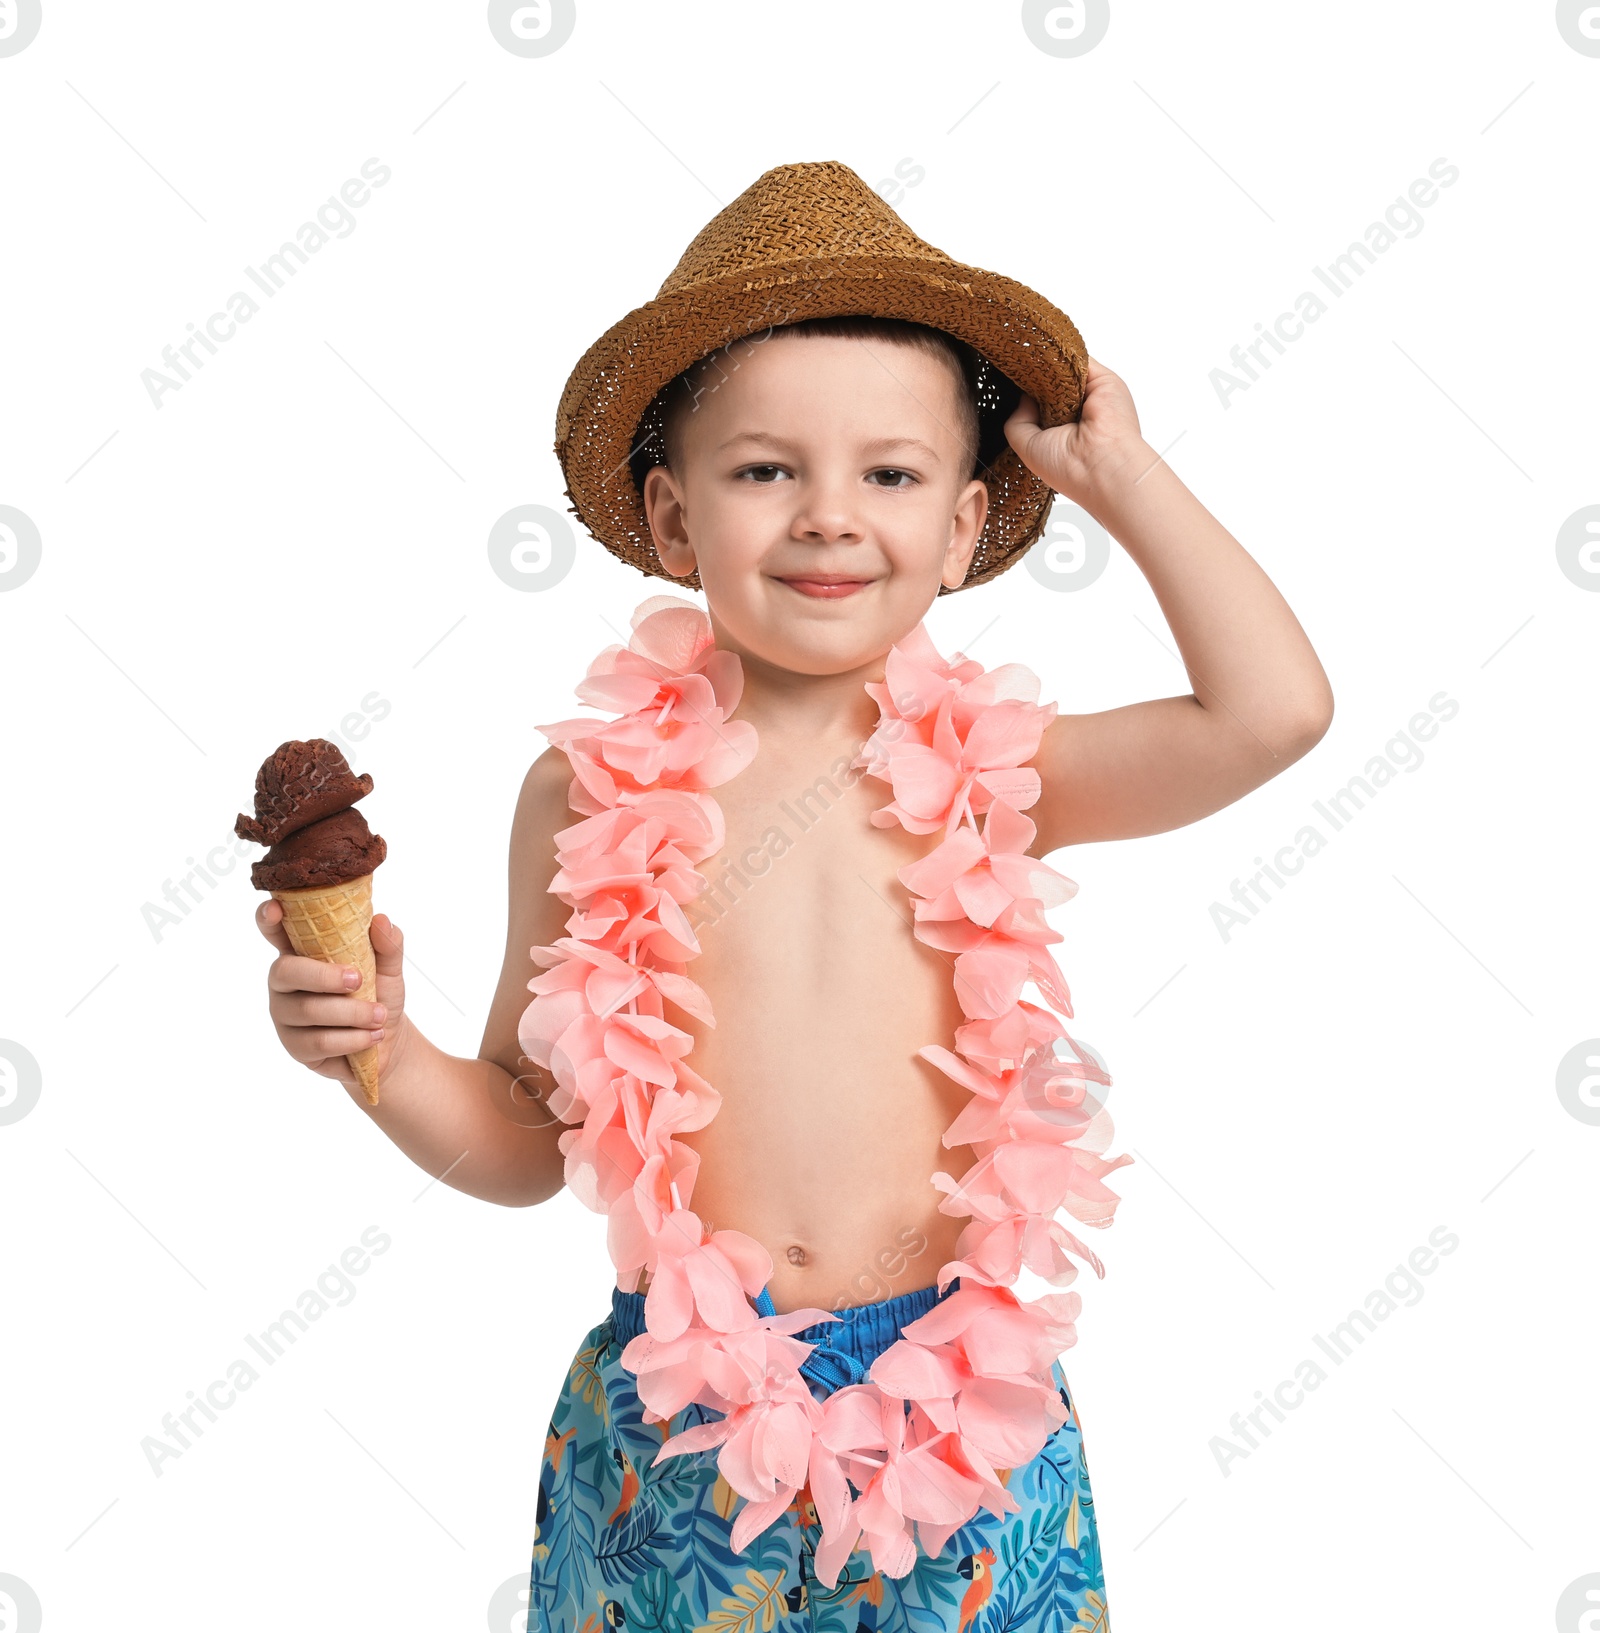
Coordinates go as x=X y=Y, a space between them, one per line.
x=663 y=508
x=972 y=507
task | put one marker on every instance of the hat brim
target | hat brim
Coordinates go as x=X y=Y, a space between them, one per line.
x=1032 y=344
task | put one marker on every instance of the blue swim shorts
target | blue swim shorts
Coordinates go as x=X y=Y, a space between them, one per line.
x=622 y=1544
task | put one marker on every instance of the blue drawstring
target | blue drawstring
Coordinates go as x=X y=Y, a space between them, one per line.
x=842 y=1352
x=831 y=1368
x=826 y=1366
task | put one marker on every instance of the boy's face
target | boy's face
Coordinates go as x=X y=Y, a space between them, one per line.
x=823 y=496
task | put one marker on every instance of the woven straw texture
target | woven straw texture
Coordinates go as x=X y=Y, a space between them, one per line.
x=805 y=241
x=331 y=925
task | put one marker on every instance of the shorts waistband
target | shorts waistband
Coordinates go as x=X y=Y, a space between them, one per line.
x=845 y=1349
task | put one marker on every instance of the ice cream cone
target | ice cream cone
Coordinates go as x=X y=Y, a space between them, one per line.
x=330 y=923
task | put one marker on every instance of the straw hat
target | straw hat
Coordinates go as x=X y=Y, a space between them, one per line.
x=808 y=241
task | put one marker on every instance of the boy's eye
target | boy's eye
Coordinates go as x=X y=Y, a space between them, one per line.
x=767 y=474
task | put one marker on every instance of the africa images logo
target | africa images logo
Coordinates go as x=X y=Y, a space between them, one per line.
x=19 y=23
x=20 y=547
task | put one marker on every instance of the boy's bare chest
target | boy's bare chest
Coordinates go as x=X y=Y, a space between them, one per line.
x=800 y=843
x=822 y=994
x=829 y=1124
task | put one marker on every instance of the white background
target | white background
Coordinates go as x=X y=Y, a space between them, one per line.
x=304 y=525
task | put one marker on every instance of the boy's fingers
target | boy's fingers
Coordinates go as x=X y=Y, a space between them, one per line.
x=1023 y=424
x=1025 y=413
x=298 y=1009
x=269 y=921
x=1100 y=378
x=315 y=1043
x=388 y=944
x=292 y=973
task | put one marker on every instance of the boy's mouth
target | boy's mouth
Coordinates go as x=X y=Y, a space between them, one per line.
x=825 y=586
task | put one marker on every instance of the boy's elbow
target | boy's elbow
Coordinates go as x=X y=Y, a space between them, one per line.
x=541 y=1190
x=1307 y=725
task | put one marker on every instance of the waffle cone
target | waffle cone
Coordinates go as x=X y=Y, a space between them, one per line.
x=330 y=923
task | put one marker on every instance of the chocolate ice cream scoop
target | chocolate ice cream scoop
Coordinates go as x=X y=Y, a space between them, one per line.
x=330 y=852
x=299 y=784
x=319 y=866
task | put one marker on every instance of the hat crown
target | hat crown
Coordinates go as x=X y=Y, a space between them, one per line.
x=797 y=212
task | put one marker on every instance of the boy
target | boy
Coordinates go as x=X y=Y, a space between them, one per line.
x=822 y=477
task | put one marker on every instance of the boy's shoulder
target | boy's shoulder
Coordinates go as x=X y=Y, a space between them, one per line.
x=550 y=774
x=542 y=809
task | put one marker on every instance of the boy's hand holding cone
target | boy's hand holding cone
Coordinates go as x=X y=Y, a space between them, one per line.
x=337 y=994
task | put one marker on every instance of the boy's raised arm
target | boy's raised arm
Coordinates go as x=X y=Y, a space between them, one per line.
x=1260 y=697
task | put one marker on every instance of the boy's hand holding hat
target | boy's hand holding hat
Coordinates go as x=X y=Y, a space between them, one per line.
x=1079 y=457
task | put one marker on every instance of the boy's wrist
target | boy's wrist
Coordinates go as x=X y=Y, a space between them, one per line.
x=1113 y=473
x=401 y=1048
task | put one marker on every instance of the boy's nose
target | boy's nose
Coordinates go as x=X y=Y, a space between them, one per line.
x=826 y=515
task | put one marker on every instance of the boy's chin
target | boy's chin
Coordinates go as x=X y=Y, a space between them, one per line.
x=836 y=637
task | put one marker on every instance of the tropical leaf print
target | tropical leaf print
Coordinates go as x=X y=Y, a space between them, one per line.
x=899 y=1614
x=724 y=1499
x=657 y=1604
x=708 y=1554
x=641 y=1541
x=584 y=1378
x=680 y=1484
x=1040 y=1584
x=1033 y=1545
x=572 y=1534
x=1089 y=1544
x=757 y=1602
x=627 y=1543
x=932 y=1590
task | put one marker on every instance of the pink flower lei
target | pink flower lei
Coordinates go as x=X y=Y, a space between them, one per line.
x=912 y=1453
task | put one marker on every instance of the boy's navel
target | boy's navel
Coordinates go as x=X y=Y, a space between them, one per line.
x=796 y=1254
